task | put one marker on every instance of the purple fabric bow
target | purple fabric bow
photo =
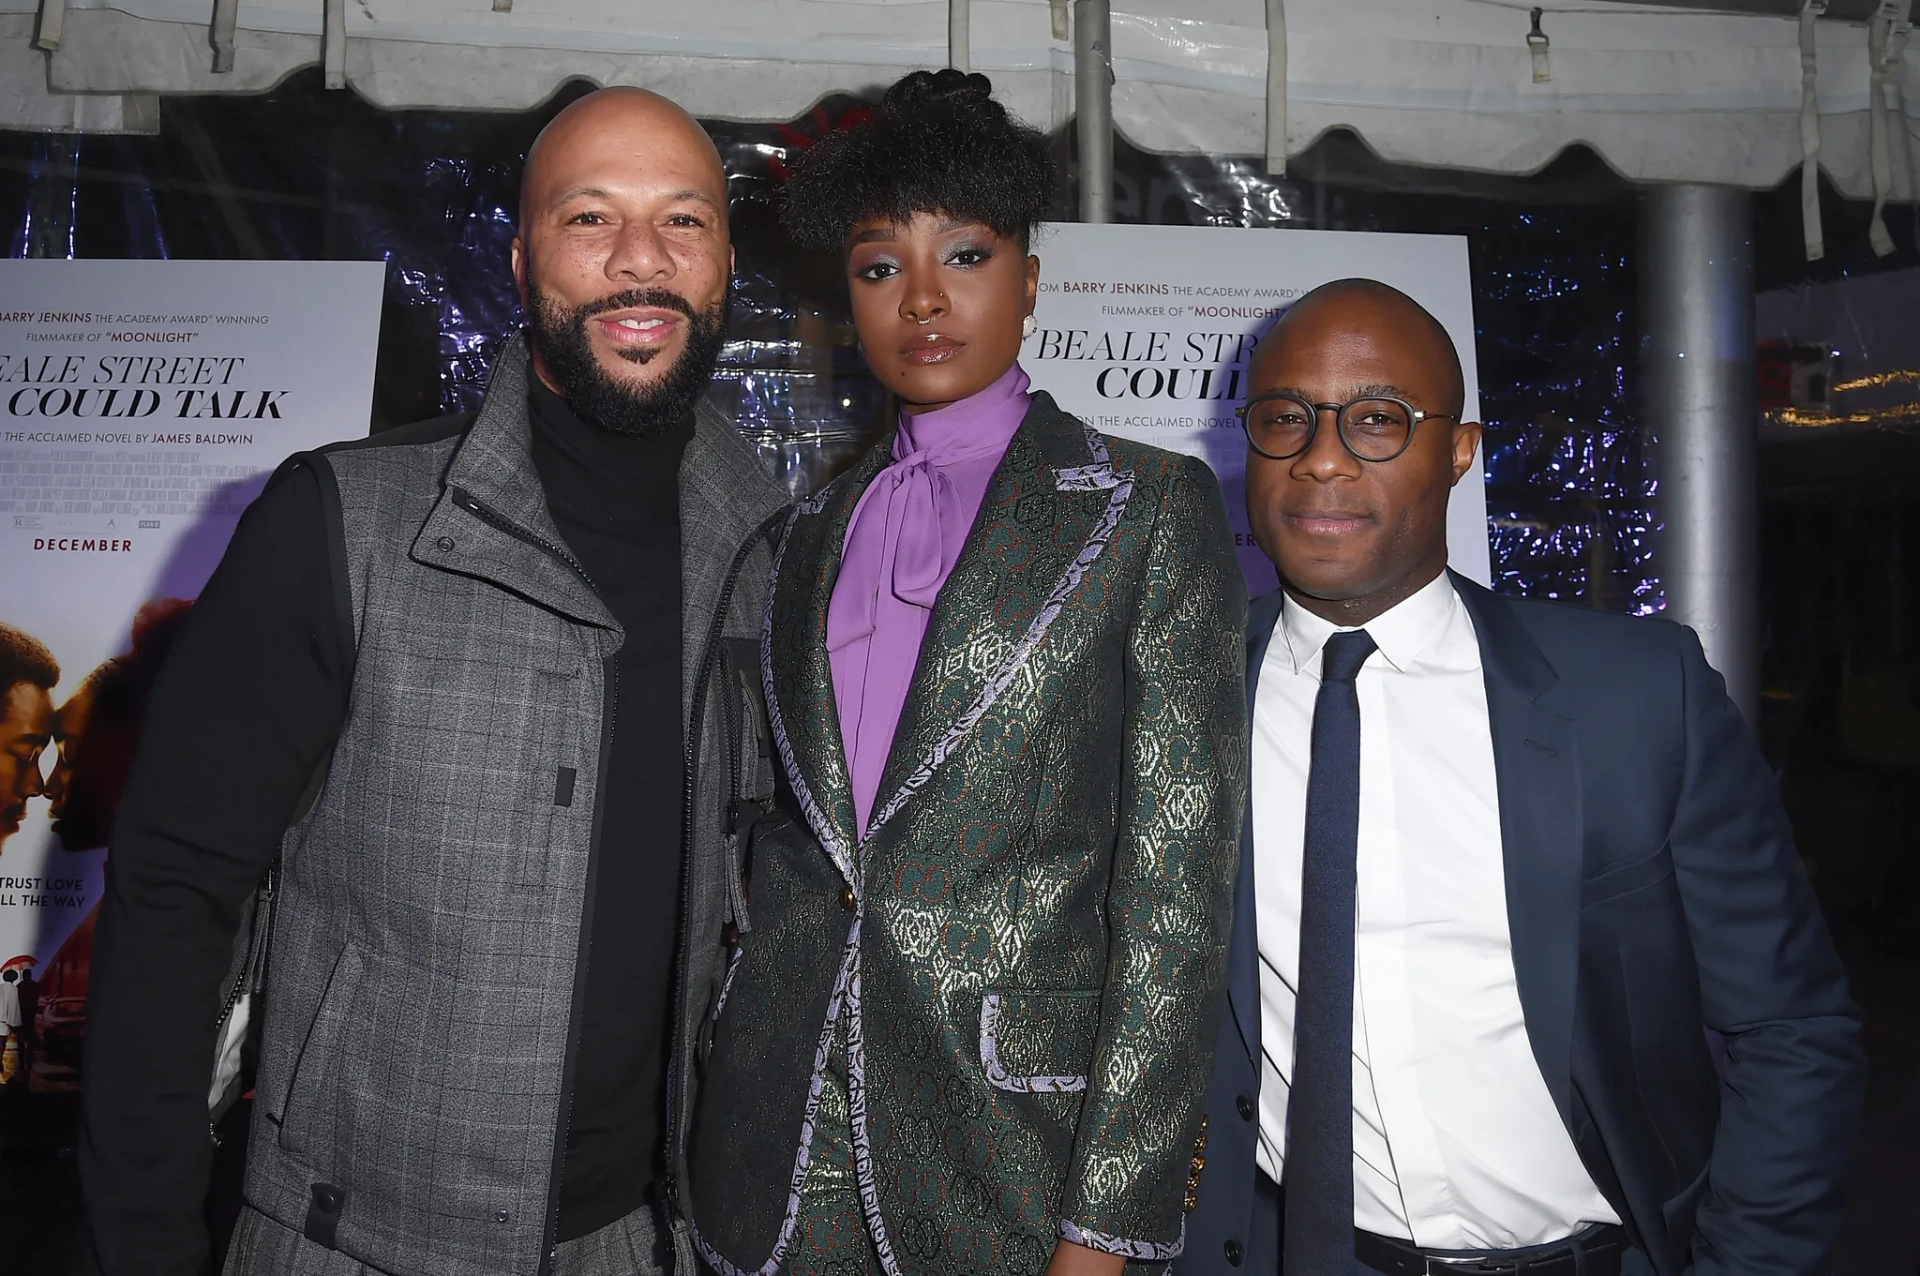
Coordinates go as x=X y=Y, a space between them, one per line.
x=904 y=535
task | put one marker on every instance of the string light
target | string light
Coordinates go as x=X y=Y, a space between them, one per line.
x=1898 y=414
x=1894 y=415
x=1875 y=379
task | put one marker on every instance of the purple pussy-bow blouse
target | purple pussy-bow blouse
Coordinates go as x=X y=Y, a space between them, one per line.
x=902 y=540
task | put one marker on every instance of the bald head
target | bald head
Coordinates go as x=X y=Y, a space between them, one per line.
x=623 y=258
x=592 y=126
x=1367 y=305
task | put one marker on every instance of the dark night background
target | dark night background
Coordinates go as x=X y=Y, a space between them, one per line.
x=303 y=173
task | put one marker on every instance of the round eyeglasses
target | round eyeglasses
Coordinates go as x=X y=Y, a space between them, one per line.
x=1375 y=427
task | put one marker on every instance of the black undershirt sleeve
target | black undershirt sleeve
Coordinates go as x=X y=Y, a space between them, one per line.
x=247 y=708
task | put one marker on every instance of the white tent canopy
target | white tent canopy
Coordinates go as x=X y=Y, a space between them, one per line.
x=1662 y=93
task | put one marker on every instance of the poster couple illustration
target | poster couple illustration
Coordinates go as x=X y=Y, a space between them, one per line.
x=91 y=731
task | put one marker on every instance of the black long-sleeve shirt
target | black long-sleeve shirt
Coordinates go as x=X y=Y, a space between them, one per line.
x=253 y=695
x=616 y=501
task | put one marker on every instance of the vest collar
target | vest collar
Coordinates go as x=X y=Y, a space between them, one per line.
x=492 y=520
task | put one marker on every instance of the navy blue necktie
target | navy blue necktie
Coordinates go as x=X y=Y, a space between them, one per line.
x=1319 y=1166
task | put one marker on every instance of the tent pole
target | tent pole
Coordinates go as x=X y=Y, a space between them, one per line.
x=1093 y=106
x=333 y=45
x=47 y=33
x=226 y=14
x=1276 y=88
x=960 y=35
x=1696 y=294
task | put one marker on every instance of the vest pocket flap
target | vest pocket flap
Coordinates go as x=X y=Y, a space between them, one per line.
x=310 y=1106
x=1038 y=1041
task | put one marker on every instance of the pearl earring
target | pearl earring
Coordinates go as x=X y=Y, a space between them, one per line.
x=1029 y=326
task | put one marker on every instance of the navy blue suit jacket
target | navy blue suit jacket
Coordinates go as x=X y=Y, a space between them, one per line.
x=1653 y=893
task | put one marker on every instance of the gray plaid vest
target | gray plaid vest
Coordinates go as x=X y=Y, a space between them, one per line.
x=421 y=987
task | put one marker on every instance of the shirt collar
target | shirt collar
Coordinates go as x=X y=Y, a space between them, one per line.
x=977 y=425
x=1403 y=632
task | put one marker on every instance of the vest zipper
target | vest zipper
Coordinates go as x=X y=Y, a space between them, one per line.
x=253 y=966
x=569 y=1059
x=689 y=766
x=583 y=951
x=670 y=1182
x=500 y=522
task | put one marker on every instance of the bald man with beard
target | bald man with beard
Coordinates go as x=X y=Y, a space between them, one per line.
x=478 y=688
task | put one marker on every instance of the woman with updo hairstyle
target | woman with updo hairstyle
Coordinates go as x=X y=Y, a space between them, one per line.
x=970 y=1021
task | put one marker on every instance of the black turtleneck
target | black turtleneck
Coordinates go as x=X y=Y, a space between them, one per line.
x=616 y=501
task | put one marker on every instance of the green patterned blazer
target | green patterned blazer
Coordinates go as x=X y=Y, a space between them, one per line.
x=1025 y=955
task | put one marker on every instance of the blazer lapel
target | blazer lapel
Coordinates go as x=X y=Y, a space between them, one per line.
x=1243 y=948
x=1052 y=503
x=794 y=665
x=1537 y=765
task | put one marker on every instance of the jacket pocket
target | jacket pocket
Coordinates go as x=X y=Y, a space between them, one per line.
x=1038 y=1042
x=1622 y=879
x=311 y=1091
x=1679 y=1212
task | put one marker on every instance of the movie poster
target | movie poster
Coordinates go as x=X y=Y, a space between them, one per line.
x=143 y=404
x=1145 y=332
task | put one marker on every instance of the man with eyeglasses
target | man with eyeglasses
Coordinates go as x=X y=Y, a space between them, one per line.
x=1506 y=866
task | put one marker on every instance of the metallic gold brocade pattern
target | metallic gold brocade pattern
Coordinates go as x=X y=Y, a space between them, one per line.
x=1030 y=944
x=830 y=1236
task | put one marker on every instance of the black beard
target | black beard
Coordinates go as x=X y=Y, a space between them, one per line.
x=559 y=336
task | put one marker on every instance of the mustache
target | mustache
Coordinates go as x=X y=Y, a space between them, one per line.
x=634 y=297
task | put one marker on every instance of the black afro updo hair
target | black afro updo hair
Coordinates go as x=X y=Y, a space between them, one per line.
x=938 y=142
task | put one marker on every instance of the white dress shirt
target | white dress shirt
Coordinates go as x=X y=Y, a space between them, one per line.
x=1456 y=1141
